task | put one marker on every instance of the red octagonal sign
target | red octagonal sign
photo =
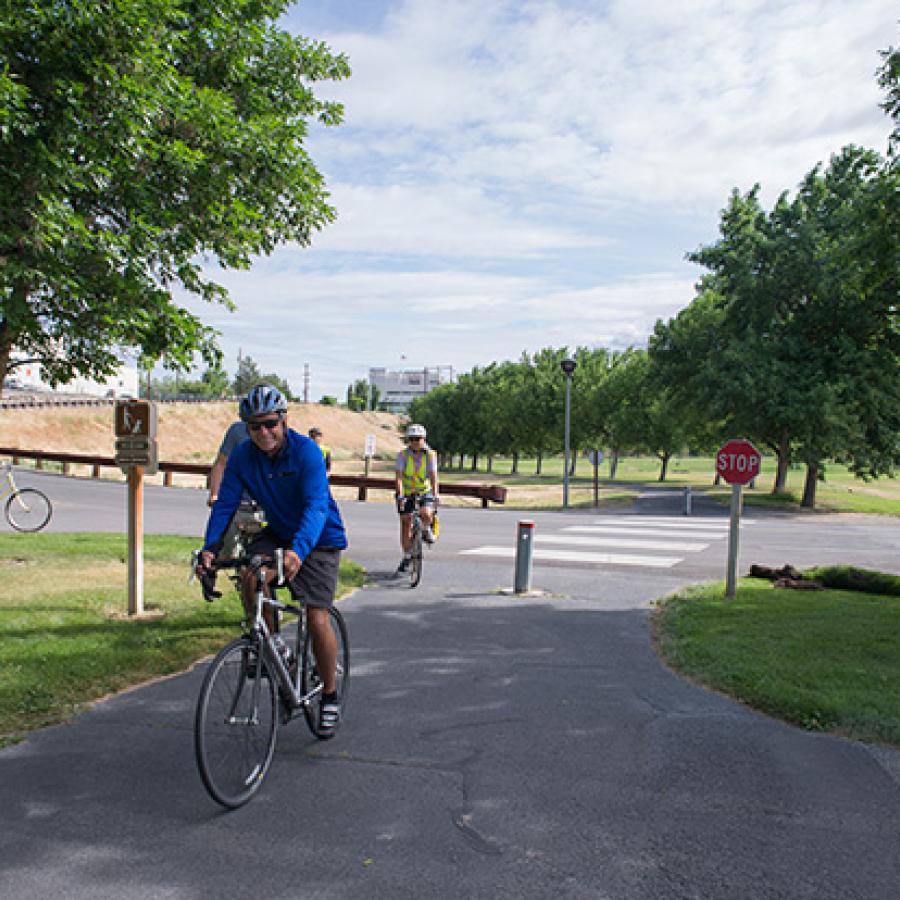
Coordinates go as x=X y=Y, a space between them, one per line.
x=738 y=462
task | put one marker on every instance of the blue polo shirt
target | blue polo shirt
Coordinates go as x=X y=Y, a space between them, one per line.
x=292 y=488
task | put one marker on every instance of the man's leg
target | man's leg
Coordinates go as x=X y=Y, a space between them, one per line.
x=325 y=646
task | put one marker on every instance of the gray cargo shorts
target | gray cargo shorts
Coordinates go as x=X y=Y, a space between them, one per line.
x=316 y=582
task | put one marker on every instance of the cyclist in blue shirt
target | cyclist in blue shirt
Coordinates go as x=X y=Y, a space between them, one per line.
x=284 y=472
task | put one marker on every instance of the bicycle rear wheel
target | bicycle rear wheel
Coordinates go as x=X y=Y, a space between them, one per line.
x=415 y=557
x=236 y=723
x=28 y=509
x=310 y=679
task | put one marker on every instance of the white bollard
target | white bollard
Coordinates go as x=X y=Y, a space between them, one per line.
x=524 y=541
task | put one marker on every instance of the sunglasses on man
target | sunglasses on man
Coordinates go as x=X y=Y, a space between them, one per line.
x=269 y=424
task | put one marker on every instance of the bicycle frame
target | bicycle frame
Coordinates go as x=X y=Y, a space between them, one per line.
x=10 y=488
x=259 y=631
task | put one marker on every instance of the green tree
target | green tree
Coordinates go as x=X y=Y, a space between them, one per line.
x=137 y=139
x=247 y=376
x=358 y=395
x=889 y=79
x=794 y=338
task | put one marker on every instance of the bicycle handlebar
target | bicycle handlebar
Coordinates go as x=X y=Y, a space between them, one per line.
x=255 y=562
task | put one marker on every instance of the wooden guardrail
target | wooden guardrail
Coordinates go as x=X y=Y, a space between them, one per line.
x=487 y=493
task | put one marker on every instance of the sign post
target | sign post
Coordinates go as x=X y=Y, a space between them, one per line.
x=738 y=462
x=136 y=455
x=368 y=453
x=596 y=457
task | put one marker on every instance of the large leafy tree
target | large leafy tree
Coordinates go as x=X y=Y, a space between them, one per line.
x=138 y=139
x=794 y=339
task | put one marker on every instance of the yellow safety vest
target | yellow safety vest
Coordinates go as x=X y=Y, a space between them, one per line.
x=415 y=478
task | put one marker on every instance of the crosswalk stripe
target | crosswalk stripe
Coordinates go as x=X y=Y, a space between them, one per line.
x=693 y=524
x=648 y=532
x=617 y=559
x=625 y=542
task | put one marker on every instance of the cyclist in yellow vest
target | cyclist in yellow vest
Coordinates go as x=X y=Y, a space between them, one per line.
x=417 y=483
x=316 y=434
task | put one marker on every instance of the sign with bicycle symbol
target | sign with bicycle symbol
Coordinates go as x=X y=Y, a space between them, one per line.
x=135 y=424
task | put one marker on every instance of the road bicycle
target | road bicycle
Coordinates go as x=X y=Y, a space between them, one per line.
x=417 y=537
x=26 y=509
x=248 y=689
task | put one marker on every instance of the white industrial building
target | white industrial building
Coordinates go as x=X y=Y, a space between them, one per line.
x=123 y=383
x=396 y=390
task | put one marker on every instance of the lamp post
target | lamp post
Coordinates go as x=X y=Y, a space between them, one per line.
x=568 y=367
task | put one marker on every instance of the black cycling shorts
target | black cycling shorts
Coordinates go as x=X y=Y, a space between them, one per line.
x=409 y=505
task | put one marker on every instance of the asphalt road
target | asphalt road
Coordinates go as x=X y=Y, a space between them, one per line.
x=493 y=746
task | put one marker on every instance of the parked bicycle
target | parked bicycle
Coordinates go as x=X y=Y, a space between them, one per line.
x=248 y=689
x=26 y=509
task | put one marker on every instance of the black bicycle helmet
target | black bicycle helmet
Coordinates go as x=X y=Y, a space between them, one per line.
x=261 y=401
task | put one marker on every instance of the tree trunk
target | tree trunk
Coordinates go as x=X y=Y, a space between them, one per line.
x=613 y=465
x=462 y=461
x=490 y=464
x=572 y=464
x=515 y=463
x=664 y=459
x=809 y=487
x=538 y=463
x=783 y=453
x=474 y=462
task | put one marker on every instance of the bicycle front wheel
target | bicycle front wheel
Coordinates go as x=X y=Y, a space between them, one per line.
x=310 y=679
x=415 y=559
x=236 y=723
x=28 y=509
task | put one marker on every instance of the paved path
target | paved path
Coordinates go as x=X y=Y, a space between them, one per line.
x=493 y=747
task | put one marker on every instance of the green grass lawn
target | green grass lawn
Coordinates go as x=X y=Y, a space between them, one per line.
x=824 y=660
x=840 y=492
x=66 y=639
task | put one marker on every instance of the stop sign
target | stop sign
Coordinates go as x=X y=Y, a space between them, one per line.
x=738 y=462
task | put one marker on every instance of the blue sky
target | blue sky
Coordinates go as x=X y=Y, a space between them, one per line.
x=513 y=175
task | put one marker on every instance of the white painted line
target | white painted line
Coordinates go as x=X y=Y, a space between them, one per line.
x=688 y=524
x=630 y=543
x=614 y=559
x=651 y=531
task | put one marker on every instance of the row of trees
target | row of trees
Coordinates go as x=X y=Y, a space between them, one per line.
x=214 y=383
x=792 y=340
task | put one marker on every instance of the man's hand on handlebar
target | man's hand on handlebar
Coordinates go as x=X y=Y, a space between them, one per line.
x=291 y=564
x=205 y=563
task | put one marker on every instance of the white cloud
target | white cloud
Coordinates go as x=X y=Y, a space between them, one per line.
x=518 y=173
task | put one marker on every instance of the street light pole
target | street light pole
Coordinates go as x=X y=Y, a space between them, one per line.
x=568 y=367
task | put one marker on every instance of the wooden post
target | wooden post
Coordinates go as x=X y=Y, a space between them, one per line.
x=95 y=472
x=135 y=540
x=167 y=479
x=363 y=492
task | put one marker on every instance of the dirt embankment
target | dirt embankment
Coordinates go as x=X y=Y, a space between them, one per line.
x=191 y=432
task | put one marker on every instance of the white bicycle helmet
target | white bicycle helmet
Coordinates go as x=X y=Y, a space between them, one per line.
x=414 y=431
x=261 y=401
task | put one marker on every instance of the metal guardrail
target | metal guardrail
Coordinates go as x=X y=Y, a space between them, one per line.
x=25 y=400
x=487 y=493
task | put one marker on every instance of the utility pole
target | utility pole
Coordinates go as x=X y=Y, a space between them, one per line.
x=306 y=382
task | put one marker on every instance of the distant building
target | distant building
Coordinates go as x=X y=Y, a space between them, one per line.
x=396 y=390
x=124 y=383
